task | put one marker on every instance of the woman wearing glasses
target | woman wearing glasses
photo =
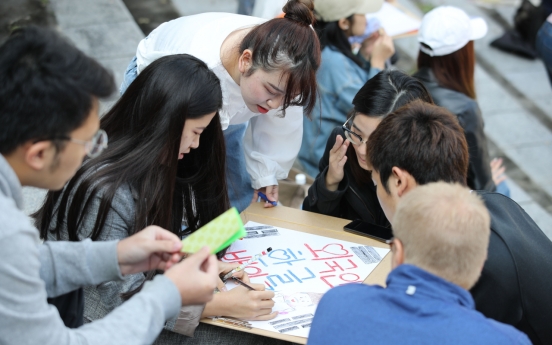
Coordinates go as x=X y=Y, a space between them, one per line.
x=155 y=172
x=343 y=188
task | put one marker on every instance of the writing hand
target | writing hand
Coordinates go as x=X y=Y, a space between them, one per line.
x=338 y=158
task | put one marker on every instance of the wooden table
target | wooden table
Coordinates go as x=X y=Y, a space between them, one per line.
x=311 y=223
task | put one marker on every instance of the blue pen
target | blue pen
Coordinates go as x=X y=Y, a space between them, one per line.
x=265 y=198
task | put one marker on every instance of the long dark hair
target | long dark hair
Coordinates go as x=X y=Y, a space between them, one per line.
x=145 y=128
x=289 y=43
x=380 y=96
x=454 y=71
x=332 y=36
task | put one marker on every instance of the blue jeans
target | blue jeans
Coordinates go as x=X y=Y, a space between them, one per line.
x=240 y=191
x=544 y=46
x=503 y=189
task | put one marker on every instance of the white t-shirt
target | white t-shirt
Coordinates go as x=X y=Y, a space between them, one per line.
x=271 y=143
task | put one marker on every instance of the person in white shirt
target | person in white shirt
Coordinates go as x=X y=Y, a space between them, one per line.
x=266 y=68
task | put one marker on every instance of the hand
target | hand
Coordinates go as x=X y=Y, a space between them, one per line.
x=498 y=170
x=195 y=277
x=270 y=191
x=338 y=158
x=242 y=303
x=382 y=49
x=150 y=249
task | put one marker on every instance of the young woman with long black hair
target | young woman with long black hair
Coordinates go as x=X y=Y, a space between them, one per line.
x=343 y=187
x=155 y=172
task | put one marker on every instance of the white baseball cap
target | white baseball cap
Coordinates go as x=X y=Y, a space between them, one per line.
x=446 y=29
x=334 y=10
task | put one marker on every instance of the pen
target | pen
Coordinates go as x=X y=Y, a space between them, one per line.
x=245 y=264
x=242 y=283
x=265 y=198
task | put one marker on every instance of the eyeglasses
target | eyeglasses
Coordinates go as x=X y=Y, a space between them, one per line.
x=94 y=147
x=352 y=136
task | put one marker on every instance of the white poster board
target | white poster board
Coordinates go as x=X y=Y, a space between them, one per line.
x=300 y=268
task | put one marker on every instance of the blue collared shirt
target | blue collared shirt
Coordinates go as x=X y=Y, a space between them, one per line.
x=417 y=307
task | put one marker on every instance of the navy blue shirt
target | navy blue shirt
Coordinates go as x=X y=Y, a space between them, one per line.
x=417 y=307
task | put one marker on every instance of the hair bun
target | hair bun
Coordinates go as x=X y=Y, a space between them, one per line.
x=300 y=11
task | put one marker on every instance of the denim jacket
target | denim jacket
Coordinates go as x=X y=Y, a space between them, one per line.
x=339 y=79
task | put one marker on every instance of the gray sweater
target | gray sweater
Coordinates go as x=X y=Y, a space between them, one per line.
x=30 y=272
x=101 y=299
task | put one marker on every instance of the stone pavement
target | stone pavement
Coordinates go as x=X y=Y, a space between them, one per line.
x=513 y=93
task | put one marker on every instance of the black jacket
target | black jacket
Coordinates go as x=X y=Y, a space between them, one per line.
x=515 y=286
x=349 y=201
x=468 y=113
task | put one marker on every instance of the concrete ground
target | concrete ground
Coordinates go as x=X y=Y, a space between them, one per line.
x=513 y=93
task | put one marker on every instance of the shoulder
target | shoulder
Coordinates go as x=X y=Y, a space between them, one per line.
x=350 y=296
x=334 y=58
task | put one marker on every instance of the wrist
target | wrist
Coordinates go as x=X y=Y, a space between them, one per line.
x=331 y=184
x=216 y=307
x=377 y=62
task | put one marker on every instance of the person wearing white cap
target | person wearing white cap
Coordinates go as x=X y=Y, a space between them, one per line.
x=446 y=64
x=342 y=73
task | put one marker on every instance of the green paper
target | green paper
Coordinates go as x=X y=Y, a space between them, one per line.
x=217 y=234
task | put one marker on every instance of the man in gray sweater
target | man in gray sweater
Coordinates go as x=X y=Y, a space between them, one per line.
x=49 y=121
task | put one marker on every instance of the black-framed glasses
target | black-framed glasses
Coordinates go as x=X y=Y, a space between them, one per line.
x=350 y=135
x=94 y=147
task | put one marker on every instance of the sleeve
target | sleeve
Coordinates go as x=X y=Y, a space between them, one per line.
x=26 y=317
x=107 y=296
x=319 y=198
x=271 y=144
x=479 y=172
x=83 y=263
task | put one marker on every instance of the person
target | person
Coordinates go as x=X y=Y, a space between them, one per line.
x=266 y=68
x=48 y=123
x=342 y=188
x=544 y=45
x=155 y=172
x=446 y=66
x=423 y=143
x=341 y=73
x=441 y=234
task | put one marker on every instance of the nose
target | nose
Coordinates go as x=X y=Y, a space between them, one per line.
x=275 y=102
x=361 y=149
x=195 y=143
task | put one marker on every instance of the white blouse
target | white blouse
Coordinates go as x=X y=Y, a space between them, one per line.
x=271 y=143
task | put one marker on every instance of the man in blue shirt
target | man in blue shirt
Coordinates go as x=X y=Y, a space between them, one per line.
x=440 y=246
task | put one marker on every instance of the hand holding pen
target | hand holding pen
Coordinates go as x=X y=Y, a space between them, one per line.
x=269 y=194
x=245 y=264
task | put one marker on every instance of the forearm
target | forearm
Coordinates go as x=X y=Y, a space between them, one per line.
x=66 y=266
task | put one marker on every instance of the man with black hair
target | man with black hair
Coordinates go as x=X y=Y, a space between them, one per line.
x=49 y=121
x=421 y=143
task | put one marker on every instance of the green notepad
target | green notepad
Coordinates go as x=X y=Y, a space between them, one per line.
x=217 y=234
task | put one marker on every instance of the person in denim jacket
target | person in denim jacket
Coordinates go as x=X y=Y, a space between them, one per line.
x=342 y=73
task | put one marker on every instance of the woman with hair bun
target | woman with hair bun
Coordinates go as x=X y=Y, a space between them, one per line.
x=266 y=68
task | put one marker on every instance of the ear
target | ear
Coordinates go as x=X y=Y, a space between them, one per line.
x=245 y=61
x=397 y=257
x=344 y=24
x=39 y=155
x=403 y=181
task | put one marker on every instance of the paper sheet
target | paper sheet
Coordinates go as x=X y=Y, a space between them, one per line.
x=394 y=21
x=300 y=268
